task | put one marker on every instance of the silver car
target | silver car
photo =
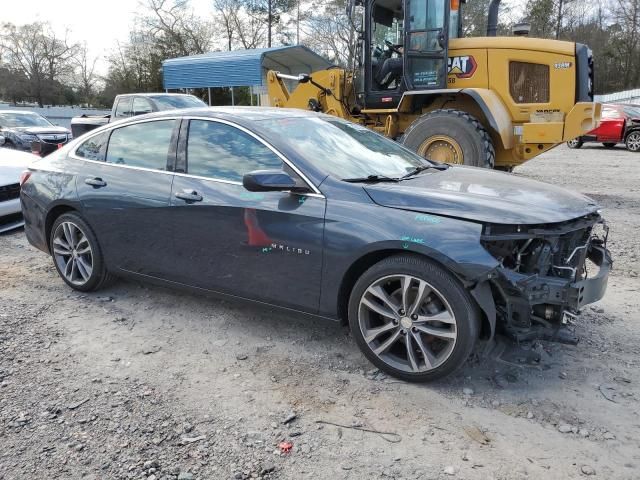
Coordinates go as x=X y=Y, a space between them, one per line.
x=12 y=164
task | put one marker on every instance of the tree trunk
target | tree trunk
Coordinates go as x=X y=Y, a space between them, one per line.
x=269 y=20
x=559 y=21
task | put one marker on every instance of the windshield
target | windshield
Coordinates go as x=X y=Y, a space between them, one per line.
x=166 y=102
x=343 y=149
x=13 y=120
x=633 y=112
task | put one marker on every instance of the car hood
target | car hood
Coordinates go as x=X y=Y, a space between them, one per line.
x=484 y=196
x=12 y=164
x=53 y=129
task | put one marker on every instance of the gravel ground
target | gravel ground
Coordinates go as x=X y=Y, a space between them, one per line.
x=142 y=382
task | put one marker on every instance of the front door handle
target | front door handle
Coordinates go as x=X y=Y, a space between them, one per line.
x=95 y=182
x=189 y=196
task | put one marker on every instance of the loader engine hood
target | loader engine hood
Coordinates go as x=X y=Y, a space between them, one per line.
x=514 y=43
x=483 y=196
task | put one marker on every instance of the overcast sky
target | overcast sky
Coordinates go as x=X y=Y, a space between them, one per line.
x=101 y=23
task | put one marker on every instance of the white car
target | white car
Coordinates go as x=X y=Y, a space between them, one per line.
x=12 y=164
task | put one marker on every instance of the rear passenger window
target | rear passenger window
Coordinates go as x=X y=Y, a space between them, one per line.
x=143 y=145
x=217 y=150
x=141 y=106
x=94 y=148
x=123 y=109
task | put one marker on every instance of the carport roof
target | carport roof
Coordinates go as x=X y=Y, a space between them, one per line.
x=239 y=68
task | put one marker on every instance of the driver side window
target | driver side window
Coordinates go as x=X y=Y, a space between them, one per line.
x=220 y=151
x=387 y=38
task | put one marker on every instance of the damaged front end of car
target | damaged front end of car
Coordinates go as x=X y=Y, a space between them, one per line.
x=546 y=274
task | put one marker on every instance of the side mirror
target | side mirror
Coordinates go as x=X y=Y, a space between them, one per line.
x=2 y=140
x=268 y=181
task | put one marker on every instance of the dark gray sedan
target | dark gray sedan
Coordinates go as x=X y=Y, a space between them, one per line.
x=314 y=214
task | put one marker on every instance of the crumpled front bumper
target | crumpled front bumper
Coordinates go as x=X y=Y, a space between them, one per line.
x=523 y=292
x=592 y=289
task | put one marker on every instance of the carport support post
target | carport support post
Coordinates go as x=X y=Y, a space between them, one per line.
x=209 y=92
x=233 y=101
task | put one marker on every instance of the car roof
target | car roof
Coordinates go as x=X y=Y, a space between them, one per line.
x=20 y=111
x=151 y=94
x=237 y=113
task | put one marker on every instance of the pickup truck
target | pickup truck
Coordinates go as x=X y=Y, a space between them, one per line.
x=131 y=104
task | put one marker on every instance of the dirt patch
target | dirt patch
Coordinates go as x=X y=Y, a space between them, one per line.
x=143 y=382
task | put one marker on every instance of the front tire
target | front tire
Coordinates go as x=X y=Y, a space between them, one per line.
x=451 y=136
x=76 y=253
x=633 y=142
x=575 y=143
x=413 y=319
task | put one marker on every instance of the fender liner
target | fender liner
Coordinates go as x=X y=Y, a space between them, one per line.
x=492 y=107
x=482 y=294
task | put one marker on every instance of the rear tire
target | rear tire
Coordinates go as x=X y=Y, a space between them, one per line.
x=633 y=141
x=575 y=143
x=609 y=145
x=413 y=319
x=76 y=254
x=451 y=136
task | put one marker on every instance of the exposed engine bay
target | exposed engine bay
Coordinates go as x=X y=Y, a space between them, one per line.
x=547 y=272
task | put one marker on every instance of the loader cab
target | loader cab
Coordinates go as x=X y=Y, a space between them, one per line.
x=404 y=48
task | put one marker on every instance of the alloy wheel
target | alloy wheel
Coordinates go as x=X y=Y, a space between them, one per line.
x=575 y=143
x=633 y=142
x=407 y=323
x=72 y=253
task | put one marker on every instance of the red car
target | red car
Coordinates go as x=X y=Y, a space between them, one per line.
x=619 y=123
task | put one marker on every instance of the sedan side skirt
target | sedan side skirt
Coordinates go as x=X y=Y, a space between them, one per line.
x=222 y=295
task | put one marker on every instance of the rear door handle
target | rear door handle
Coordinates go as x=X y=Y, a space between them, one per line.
x=189 y=196
x=95 y=182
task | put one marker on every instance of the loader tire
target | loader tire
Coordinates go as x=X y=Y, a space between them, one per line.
x=451 y=136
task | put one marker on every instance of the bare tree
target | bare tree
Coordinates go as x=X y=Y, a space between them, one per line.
x=36 y=53
x=226 y=11
x=627 y=16
x=328 y=31
x=269 y=12
x=240 y=28
x=250 y=31
x=86 y=77
x=177 y=29
x=58 y=53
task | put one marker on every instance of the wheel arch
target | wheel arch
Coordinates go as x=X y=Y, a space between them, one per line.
x=490 y=109
x=368 y=259
x=54 y=213
x=629 y=132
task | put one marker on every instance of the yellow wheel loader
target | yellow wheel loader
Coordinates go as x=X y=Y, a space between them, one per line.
x=491 y=102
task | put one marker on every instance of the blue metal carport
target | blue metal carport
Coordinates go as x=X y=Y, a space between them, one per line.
x=238 y=68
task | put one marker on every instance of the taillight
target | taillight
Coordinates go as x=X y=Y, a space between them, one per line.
x=24 y=177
